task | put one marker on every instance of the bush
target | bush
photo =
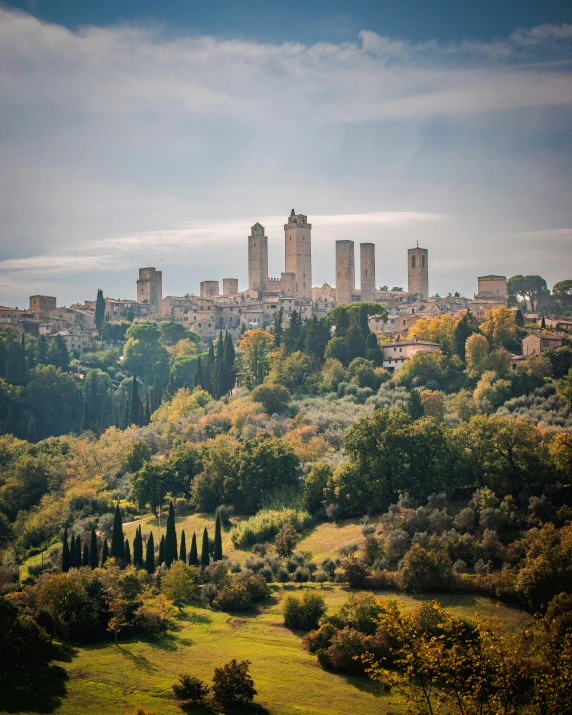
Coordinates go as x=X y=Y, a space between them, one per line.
x=232 y=684
x=255 y=584
x=426 y=570
x=190 y=689
x=346 y=647
x=234 y=597
x=267 y=523
x=273 y=398
x=303 y=611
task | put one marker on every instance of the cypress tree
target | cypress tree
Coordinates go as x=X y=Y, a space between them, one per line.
x=199 y=374
x=157 y=394
x=183 y=548
x=543 y=323
x=42 y=349
x=217 y=540
x=205 y=556
x=193 y=555
x=85 y=556
x=65 y=552
x=126 y=553
x=104 y=552
x=72 y=551
x=100 y=311
x=150 y=554
x=161 y=559
x=77 y=552
x=138 y=549
x=93 y=562
x=117 y=538
x=229 y=357
x=85 y=417
x=171 y=537
x=135 y=404
x=414 y=405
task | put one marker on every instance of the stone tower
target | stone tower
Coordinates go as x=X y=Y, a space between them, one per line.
x=418 y=271
x=345 y=272
x=210 y=289
x=229 y=286
x=367 y=266
x=150 y=288
x=297 y=234
x=257 y=259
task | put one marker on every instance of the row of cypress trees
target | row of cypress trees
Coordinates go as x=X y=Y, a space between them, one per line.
x=217 y=375
x=73 y=556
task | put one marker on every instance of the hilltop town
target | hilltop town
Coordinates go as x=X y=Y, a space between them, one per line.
x=235 y=311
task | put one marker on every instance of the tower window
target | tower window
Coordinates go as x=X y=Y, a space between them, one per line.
x=412 y=261
x=422 y=261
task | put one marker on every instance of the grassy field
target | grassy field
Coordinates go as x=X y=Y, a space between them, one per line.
x=110 y=679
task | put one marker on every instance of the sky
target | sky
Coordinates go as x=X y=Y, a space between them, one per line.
x=140 y=133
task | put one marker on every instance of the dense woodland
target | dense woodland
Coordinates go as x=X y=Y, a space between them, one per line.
x=458 y=466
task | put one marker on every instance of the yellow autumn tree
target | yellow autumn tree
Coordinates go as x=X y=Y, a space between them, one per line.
x=440 y=329
x=256 y=346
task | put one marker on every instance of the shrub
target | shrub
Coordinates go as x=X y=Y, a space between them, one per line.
x=224 y=512
x=273 y=398
x=267 y=523
x=303 y=611
x=255 y=584
x=321 y=577
x=301 y=575
x=346 y=647
x=354 y=572
x=234 y=597
x=426 y=570
x=282 y=575
x=190 y=689
x=232 y=684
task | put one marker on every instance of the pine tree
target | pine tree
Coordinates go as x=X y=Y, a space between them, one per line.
x=65 y=552
x=104 y=552
x=183 y=549
x=205 y=556
x=150 y=554
x=117 y=538
x=161 y=559
x=217 y=556
x=193 y=554
x=72 y=551
x=85 y=556
x=77 y=558
x=171 y=537
x=543 y=323
x=126 y=553
x=100 y=312
x=138 y=549
x=93 y=561
x=135 y=404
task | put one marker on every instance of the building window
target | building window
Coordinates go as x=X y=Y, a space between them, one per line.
x=422 y=261
x=412 y=261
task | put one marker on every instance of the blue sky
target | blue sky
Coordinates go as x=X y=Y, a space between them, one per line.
x=146 y=133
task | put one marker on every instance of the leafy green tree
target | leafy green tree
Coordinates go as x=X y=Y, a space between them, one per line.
x=149 y=485
x=180 y=583
x=138 y=454
x=144 y=353
x=314 y=485
x=58 y=354
x=193 y=554
x=150 y=554
x=51 y=396
x=564 y=389
x=294 y=333
x=65 y=552
x=117 y=537
x=205 y=556
x=463 y=331
x=171 y=537
x=256 y=346
x=42 y=350
x=217 y=556
x=172 y=332
x=232 y=685
x=99 y=311
x=93 y=554
x=414 y=405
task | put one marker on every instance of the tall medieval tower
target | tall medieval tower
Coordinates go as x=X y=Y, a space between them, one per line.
x=367 y=271
x=418 y=271
x=258 y=259
x=297 y=233
x=150 y=288
x=345 y=272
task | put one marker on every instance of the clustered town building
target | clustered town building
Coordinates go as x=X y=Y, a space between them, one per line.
x=235 y=311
